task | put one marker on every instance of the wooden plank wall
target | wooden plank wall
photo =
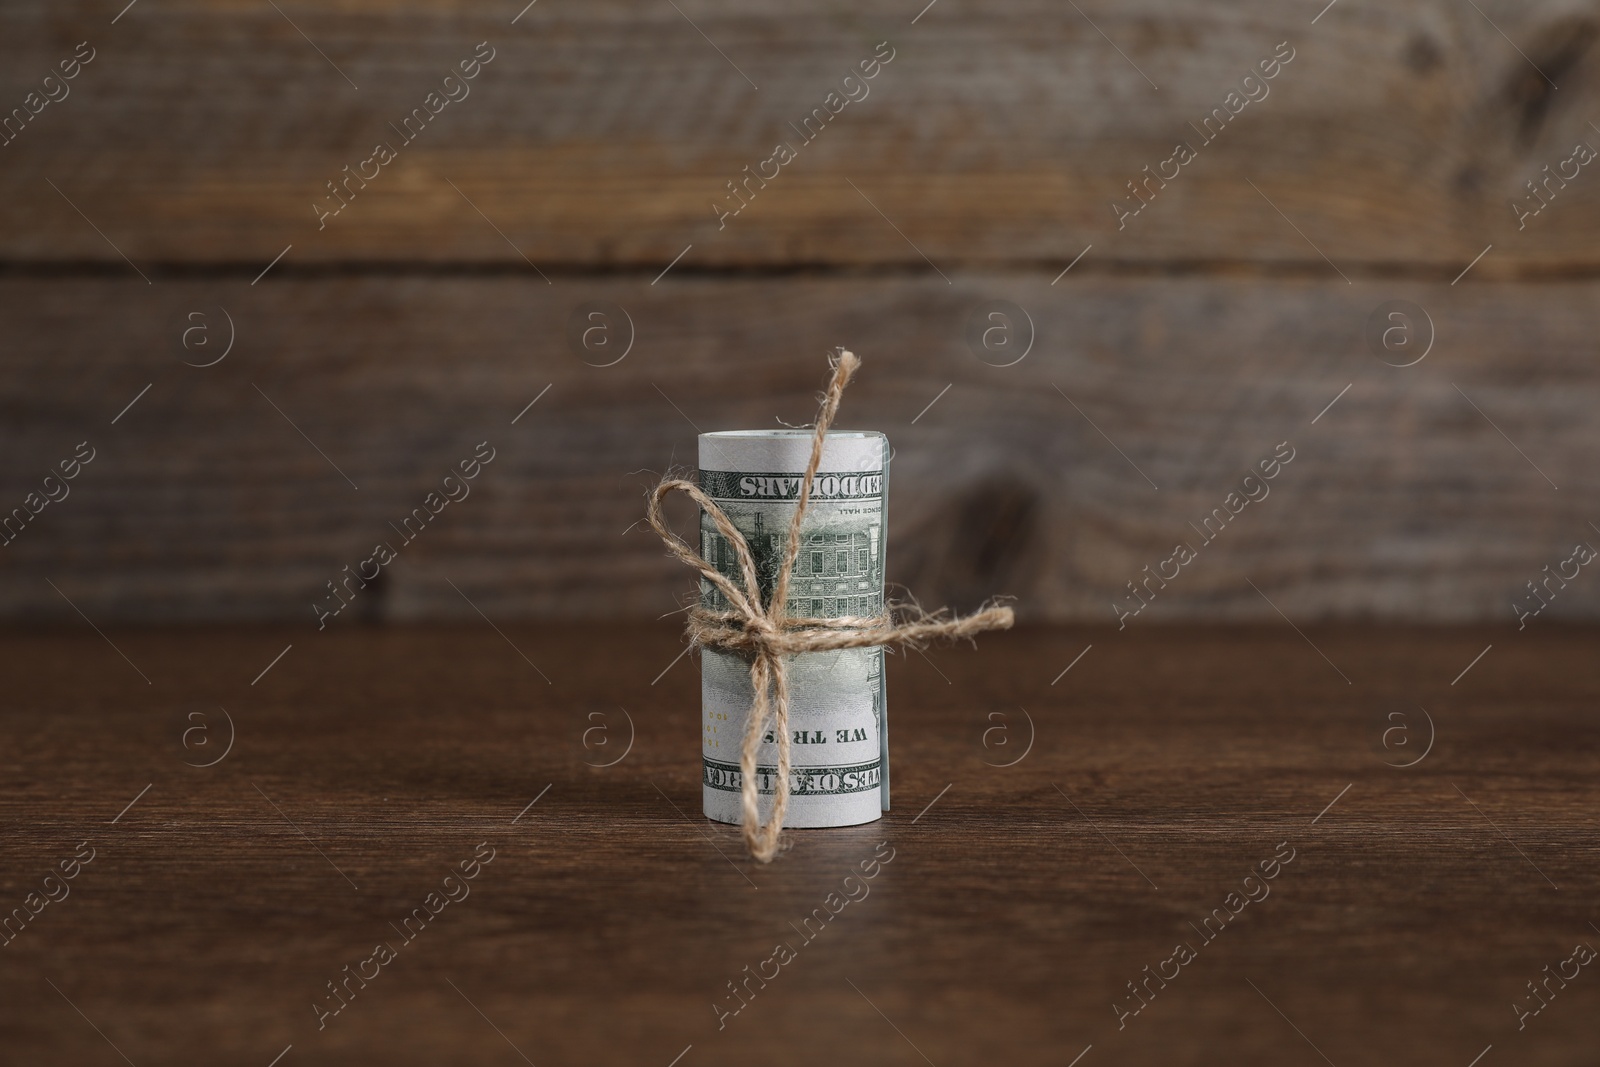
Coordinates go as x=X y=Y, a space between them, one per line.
x=176 y=192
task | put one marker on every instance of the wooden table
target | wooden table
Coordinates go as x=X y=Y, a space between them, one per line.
x=1018 y=903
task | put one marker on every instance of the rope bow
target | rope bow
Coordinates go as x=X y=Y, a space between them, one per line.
x=766 y=633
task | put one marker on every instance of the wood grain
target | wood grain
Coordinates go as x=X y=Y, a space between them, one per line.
x=1415 y=493
x=601 y=134
x=1013 y=913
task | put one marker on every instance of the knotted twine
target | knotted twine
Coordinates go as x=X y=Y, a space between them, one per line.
x=766 y=633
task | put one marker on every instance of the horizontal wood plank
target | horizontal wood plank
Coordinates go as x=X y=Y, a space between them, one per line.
x=242 y=489
x=601 y=135
x=1016 y=905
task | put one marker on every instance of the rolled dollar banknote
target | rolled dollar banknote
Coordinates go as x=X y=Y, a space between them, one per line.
x=838 y=711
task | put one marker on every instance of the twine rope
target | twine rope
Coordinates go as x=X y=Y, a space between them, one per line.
x=766 y=633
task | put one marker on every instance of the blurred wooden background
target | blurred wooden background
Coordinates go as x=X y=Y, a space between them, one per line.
x=1220 y=321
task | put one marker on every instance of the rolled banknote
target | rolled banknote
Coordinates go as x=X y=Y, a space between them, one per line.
x=838 y=722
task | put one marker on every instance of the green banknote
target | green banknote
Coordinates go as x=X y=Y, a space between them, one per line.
x=838 y=723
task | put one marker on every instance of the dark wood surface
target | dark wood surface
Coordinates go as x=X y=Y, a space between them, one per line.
x=1219 y=321
x=601 y=134
x=1164 y=766
x=204 y=502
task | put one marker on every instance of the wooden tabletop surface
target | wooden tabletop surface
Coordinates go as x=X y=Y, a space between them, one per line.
x=997 y=915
